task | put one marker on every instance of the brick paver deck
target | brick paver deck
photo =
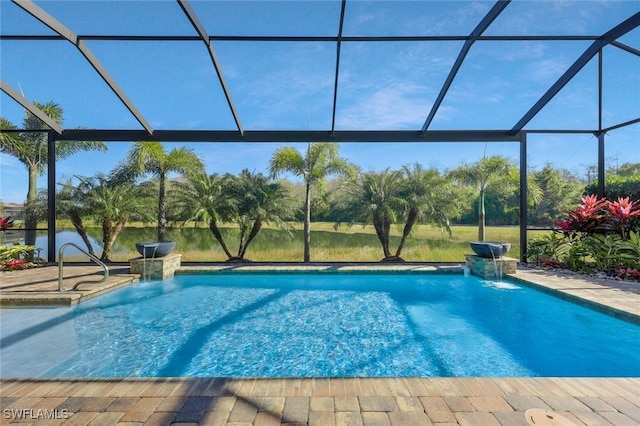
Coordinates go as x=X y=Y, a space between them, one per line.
x=354 y=401
x=39 y=286
x=335 y=401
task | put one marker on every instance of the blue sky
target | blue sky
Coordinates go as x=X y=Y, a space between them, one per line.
x=386 y=86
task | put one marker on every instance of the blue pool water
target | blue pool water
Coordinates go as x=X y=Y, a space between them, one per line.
x=327 y=324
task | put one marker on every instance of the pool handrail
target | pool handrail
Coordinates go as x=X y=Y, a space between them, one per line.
x=61 y=266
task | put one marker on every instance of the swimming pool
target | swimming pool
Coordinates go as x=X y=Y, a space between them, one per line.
x=318 y=325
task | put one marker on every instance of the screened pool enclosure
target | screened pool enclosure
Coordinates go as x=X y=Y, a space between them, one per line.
x=361 y=72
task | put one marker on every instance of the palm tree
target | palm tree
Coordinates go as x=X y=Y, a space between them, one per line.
x=30 y=148
x=321 y=160
x=70 y=204
x=376 y=198
x=481 y=174
x=151 y=157
x=250 y=200
x=258 y=201
x=202 y=197
x=112 y=204
x=429 y=197
x=101 y=200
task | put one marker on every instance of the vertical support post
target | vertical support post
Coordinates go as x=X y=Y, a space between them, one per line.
x=600 y=90
x=523 y=197
x=600 y=133
x=601 y=176
x=51 y=197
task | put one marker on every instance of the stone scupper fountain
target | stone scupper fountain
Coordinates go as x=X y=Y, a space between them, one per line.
x=490 y=250
x=489 y=260
x=157 y=260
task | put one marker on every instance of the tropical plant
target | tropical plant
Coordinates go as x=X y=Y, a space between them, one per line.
x=30 y=148
x=202 y=198
x=375 y=198
x=604 y=251
x=249 y=200
x=321 y=160
x=70 y=203
x=102 y=200
x=12 y=255
x=589 y=217
x=147 y=157
x=548 y=247
x=5 y=224
x=594 y=236
x=630 y=250
x=429 y=197
x=488 y=171
x=576 y=256
x=257 y=201
x=112 y=204
x=622 y=212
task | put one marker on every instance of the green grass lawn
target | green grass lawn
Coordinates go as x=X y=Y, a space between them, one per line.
x=345 y=244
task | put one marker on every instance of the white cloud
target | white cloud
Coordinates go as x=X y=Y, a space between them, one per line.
x=395 y=106
x=546 y=70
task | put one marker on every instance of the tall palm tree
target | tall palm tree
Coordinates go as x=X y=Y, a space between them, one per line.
x=321 y=160
x=30 y=148
x=376 y=198
x=202 y=197
x=429 y=197
x=151 y=158
x=488 y=171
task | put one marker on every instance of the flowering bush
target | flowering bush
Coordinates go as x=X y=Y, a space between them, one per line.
x=598 y=215
x=599 y=235
x=12 y=255
x=15 y=264
x=629 y=274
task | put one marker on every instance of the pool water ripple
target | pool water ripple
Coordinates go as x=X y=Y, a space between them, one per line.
x=320 y=325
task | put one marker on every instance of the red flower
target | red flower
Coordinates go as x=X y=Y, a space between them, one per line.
x=5 y=223
x=14 y=264
x=564 y=225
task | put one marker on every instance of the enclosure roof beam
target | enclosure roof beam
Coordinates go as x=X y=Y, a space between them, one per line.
x=625 y=47
x=69 y=35
x=332 y=39
x=293 y=135
x=6 y=88
x=625 y=124
x=195 y=21
x=475 y=34
x=335 y=83
x=607 y=38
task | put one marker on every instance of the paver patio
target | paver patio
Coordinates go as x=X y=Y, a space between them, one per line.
x=350 y=401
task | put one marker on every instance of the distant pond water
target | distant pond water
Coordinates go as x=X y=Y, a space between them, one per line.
x=198 y=244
